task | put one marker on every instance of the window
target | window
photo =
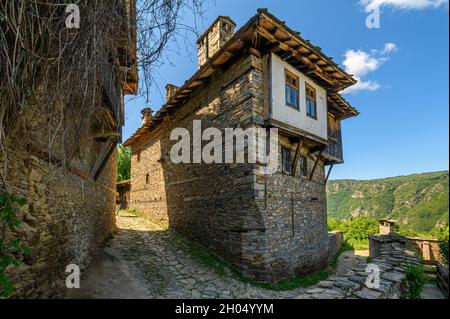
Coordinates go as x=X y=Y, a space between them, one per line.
x=139 y=157
x=304 y=166
x=311 y=102
x=147 y=179
x=292 y=91
x=286 y=160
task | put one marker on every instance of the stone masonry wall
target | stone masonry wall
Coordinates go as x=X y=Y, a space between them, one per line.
x=392 y=256
x=270 y=227
x=67 y=216
x=211 y=203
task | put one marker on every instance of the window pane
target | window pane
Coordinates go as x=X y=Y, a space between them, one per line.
x=288 y=94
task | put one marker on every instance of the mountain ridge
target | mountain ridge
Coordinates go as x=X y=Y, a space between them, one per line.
x=419 y=202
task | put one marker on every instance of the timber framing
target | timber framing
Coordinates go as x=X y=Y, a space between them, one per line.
x=262 y=34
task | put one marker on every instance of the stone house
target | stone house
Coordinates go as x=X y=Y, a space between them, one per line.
x=262 y=76
x=70 y=210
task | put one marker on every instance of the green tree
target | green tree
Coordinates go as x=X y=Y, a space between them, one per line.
x=360 y=228
x=335 y=224
x=123 y=163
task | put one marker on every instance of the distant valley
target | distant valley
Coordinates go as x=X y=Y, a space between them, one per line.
x=418 y=202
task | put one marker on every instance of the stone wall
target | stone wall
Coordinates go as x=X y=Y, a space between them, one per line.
x=68 y=216
x=335 y=241
x=270 y=227
x=391 y=257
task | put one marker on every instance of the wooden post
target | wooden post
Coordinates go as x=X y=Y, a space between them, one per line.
x=328 y=174
x=315 y=165
x=107 y=150
x=297 y=156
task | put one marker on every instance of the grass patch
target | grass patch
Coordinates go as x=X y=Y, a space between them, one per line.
x=221 y=267
x=358 y=244
x=292 y=283
x=133 y=212
x=154 y=278
x=203 y=255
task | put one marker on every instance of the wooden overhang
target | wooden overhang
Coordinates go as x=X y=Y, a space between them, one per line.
x=340 y=108
x=264 y=33
x=127 y=48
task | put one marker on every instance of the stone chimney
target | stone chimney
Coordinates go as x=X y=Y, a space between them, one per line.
x=214 y=38
x=387 y=226
x=170 y=91
x=146 y=115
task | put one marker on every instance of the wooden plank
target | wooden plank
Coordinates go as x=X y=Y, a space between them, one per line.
x=329 y=173
x=315 y=165
x=105 y=153
x=296 y=156
x=442 y=278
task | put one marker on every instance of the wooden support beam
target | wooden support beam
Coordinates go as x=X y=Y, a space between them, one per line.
x=315 y=165
x=102 y=134
x=105 y=153
x=328 y=174
x=296 y=156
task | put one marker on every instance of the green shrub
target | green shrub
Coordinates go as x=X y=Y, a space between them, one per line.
x=360 y=228
x=11 y=250
x=356 y=230
x=335 y=224
x=123 y=163
x=415 y=281
x=443 y=236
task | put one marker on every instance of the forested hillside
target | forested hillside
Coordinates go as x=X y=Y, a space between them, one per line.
x=418 y=202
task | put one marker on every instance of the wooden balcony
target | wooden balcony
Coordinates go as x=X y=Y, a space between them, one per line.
x=334 y=152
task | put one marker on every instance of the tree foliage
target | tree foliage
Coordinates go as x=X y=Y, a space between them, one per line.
x=418 y=202
x=123 y=163
x=443 y=235
x=415 y=280
x=11 y=250
x=356 y=230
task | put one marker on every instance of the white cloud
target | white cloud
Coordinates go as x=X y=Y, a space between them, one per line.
x=359 y=63
x=388 y=48
x=371 y=5
x=362 y=86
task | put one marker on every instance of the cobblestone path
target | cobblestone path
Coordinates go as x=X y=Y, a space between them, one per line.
x=147 y=261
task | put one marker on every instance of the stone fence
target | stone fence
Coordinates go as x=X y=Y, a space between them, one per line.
x=335 y=241
x=389 y=254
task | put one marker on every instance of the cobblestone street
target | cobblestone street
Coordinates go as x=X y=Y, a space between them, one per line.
x=146 y=261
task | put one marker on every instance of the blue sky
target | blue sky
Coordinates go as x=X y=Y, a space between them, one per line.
x=403 y=67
